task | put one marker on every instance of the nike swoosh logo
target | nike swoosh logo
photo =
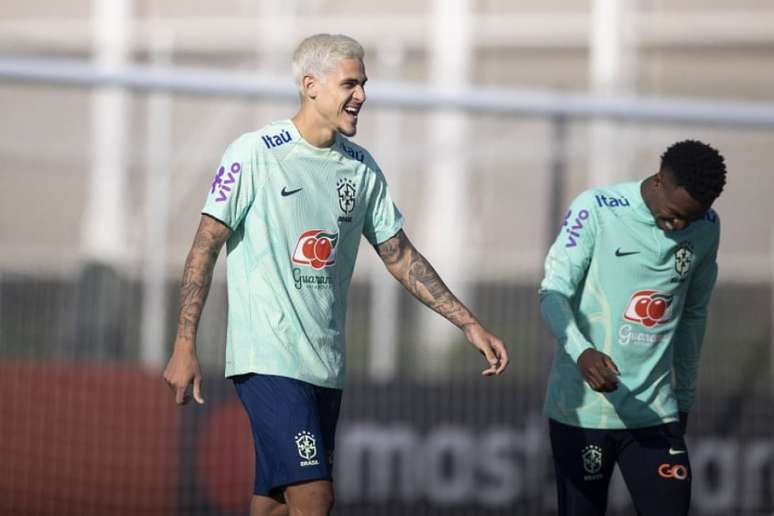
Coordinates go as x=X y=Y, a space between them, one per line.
x=672 y=451
x=620 y=253
x=286 y=192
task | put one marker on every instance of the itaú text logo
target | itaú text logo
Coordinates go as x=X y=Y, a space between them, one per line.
x=316 y=248
x=649 y=307
x=678 y=471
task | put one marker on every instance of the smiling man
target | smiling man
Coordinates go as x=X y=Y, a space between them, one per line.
x=626 y=288
x=292 y=201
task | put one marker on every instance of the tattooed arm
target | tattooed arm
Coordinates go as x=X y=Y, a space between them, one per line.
x=183 y=367
x=416 y=274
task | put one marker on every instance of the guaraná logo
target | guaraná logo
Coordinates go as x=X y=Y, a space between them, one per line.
x=316 y=248
x=649 y=307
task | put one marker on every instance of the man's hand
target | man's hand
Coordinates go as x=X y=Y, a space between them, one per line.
x=599 y=370
x=416 y=274
x=490 y=346
x=183 y=370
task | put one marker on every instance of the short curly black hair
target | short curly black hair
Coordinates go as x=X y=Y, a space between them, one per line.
x=697 y=167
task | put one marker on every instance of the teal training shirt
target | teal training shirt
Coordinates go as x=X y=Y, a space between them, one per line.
x=616 y=282
x=297 y=213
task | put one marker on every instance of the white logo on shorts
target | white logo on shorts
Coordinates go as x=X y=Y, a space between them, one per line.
x=592 y=461
x=307 y=448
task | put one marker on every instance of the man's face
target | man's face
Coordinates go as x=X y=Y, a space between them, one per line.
x=672 y=205
x=340 y=96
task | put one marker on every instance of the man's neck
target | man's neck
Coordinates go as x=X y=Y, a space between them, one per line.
x=312 y=128
x=646 y=190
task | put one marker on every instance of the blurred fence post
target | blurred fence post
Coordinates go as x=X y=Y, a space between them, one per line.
x=384 y=318
x=103 y=231
x=101 y=313
x=613 y=57
x=446 y=206
x=558 y=177
x=157 y=164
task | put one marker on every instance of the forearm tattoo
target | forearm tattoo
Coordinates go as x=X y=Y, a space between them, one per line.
x=419 y=277
x=197 y=276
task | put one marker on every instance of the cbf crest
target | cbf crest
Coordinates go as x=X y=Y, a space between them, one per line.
x=684 y=256
x=307 y=448
x=346 y=190
x=592 y=461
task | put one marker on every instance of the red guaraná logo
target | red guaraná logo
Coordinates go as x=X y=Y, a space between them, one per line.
x=316 y=248
x=648 y=307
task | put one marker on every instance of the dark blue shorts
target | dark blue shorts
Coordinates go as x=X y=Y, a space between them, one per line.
x=653 y=461
x=294 y=427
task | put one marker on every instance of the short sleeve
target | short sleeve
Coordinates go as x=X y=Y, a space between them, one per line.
x=383 y=219
x=232 y=190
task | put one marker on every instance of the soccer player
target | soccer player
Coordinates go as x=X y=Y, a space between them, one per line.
x=626 y=288
x=291 y=201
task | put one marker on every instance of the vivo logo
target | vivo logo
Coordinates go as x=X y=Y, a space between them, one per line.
x=223 y=181
x=574 y=226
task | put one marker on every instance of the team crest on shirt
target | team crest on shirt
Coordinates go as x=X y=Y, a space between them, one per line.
x=307 y=448
x=345 y=188
x=684 y=256
x=223 y=181
x=316 y=248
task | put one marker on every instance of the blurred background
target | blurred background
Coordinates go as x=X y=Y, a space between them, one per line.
x=487 y=117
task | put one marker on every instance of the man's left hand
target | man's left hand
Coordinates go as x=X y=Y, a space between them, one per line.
x=490 y=346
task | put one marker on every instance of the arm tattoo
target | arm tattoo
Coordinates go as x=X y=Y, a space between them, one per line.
x=419 y=277
x=391 y=251
x=197 y=275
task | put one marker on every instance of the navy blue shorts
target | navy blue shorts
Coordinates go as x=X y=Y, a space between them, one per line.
x=294 y=427
x=653 y=461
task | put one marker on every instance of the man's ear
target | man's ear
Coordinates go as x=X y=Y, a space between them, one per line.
x=310 y=85
x=658 y=180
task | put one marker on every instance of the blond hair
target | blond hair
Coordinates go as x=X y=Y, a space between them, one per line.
x=317 y=55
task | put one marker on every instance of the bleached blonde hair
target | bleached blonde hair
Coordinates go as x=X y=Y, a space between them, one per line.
x=317 y=55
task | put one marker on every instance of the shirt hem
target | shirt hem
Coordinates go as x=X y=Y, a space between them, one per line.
x=230 y=373
x=614 y=425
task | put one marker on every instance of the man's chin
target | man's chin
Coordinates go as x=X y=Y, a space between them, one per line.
x=348 y=130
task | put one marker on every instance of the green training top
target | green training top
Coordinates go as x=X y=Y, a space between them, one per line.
x=616 y=282
x=297 y=213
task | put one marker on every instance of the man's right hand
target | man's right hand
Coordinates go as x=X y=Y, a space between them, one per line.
x=183 y=370
x=599 y=370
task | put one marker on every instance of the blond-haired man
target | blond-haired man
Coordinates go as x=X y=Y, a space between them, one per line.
x=291 y=201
